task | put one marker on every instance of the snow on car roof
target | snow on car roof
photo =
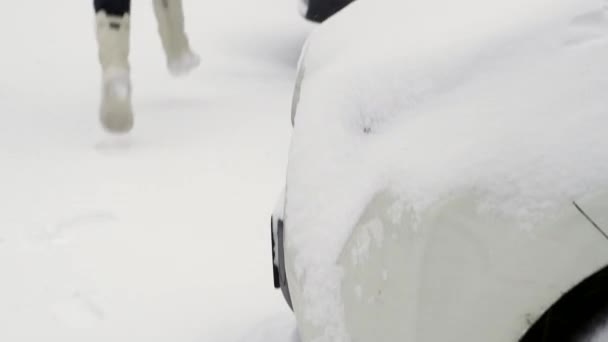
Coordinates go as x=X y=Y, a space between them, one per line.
x=426 y=99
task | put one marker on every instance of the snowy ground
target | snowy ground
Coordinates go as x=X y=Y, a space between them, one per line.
x=162 y=235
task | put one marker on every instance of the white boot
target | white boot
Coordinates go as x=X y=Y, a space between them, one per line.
x=170 y=16
x=116 y=113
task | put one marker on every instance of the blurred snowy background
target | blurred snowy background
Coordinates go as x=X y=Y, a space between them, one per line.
x=162 y=235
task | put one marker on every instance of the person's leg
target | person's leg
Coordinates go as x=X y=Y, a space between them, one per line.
x=170 y=16
x=113 y=31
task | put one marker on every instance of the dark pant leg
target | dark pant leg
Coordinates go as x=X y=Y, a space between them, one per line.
x=113 y=7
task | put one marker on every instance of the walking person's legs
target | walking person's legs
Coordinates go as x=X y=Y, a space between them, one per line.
x=170 y=17
x=113 y=31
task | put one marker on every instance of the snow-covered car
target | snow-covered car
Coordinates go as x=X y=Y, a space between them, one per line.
x=321 y=10
x=448 y=174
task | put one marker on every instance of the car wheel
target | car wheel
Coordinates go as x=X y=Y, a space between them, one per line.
x=577 y=315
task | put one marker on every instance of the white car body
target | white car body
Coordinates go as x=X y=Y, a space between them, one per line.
x=438 y=153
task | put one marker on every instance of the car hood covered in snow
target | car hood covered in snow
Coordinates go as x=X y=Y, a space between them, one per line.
x=501 y=101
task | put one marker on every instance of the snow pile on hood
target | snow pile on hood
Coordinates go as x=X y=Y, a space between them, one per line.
x=508 y=99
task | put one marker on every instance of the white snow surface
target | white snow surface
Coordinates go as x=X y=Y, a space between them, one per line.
x=161 y=235
x=508 y=99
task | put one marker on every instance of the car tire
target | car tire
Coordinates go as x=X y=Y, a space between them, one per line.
x=577 y=315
